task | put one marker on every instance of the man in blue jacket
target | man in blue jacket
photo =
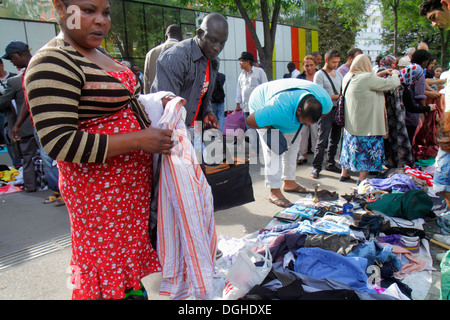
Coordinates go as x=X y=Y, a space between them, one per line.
x=285 y=105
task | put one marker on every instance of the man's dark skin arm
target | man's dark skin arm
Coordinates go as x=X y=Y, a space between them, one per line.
x=252 y=122
x=24 y=113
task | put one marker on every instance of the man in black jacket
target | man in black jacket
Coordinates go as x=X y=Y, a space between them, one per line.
x=189 y=69
x=4 y=139
x=19 y=55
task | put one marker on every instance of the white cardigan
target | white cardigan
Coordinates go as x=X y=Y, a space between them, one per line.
x=364 y=103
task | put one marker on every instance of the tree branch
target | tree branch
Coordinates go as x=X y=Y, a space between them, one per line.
x=249 y=24
x=275 y=16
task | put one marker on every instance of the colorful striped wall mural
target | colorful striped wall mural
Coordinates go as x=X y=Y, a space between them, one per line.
x=291 y=44
x=298 y=43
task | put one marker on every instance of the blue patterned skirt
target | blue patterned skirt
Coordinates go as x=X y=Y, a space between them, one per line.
x=362 y=153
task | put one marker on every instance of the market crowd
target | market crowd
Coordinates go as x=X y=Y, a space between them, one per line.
x=114 y=141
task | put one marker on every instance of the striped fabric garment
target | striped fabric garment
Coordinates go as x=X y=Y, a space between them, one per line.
x=187 y=239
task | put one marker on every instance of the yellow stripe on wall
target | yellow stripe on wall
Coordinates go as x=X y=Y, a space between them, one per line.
x=302 y=45
x=314 y=40
x=274 y=64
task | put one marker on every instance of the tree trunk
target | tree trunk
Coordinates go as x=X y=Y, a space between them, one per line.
x=395 y=8
x=269 y=28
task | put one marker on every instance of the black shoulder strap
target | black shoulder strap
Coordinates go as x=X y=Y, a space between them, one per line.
x=296 y=134
x=345 y=90
x=331 y=81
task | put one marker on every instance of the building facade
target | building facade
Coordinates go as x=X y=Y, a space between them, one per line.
x=139 y=25
x=369 y=38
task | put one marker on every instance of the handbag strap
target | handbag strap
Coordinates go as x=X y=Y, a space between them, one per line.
x=296 y=134
x=345 y=90
x=331 y=81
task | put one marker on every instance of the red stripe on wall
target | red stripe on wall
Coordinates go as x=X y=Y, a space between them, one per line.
x=295 y=47
x=251 y=46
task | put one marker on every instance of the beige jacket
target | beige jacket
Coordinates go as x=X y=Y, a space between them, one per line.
x=364 y=103
x=150 y=62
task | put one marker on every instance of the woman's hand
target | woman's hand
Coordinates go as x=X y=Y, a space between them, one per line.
x=166 y=99
x=385 y=72
x=153 y=140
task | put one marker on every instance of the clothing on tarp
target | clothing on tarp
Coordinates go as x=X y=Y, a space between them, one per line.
x=367 y=255
x=9 y=174
x=320 y=263
x=398 y=182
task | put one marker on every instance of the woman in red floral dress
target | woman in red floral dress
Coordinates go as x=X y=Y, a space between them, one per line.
x=87 y=117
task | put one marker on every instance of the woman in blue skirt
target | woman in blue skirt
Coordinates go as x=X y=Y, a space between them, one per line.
x=365 y=125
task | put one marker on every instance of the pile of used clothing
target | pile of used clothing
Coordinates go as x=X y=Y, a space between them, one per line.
x=322 y=250
x=9 y=179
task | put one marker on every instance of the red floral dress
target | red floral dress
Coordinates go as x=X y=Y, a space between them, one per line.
x=109 y=207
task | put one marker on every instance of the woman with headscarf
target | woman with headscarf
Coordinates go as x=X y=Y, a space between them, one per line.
x=387 y=63
x=362 y=146
x=399 y=149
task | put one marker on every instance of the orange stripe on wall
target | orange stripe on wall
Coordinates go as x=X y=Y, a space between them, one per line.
x=251 y=46
x=295 y=47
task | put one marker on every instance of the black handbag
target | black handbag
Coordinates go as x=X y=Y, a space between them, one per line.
x=339 y=116
x=231 y=187
x=282 y=146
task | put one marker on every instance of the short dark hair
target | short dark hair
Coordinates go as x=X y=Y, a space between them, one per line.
x=310 y=108
x=352 y=53
x=420 y=56
x=291 y=65
x=174 y=31
x=429 y=5
x=331 y=54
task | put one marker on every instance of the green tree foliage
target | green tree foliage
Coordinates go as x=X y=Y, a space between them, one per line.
x=411 y=30
x=339 y=22
x=139 y=26
x=268 y=11
x=391 y=9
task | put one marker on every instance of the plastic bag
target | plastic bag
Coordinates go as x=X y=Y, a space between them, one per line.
x=248 y=270
x=235 y=121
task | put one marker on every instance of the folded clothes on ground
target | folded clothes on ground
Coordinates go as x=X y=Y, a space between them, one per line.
x=398 y=182
x=409 y=243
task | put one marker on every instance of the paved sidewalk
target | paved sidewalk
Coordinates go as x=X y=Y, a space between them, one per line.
x=36 y=237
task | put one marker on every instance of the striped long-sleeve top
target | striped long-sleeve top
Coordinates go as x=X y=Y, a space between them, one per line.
x=63 y=88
